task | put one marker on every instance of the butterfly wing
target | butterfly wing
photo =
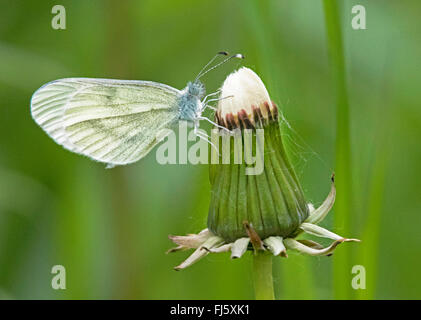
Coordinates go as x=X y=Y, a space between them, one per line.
x=112 y=121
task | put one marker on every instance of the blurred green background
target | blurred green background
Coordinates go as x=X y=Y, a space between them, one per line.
x=109 y=227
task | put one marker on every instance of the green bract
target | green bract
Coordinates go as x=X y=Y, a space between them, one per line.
x=272 y=202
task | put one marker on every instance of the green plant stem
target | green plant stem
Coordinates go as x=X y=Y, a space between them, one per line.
x=342 y=268
x=262 y=276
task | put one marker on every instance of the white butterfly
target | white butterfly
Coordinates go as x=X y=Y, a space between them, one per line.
x=117 y=121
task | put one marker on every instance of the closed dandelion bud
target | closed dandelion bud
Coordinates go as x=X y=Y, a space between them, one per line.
x=256 y=202
x=258 y=185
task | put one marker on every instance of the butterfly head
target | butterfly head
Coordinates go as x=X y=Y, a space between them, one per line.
x=196 y=89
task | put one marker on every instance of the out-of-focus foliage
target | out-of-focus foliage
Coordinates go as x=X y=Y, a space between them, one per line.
x=109 y=227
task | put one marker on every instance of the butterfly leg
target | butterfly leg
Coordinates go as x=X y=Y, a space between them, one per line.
x=204 y=136
x=214 y=123
x=210 y=142
x=217 y=99
x=210 y=95
x=205 y=103
x=208 y=106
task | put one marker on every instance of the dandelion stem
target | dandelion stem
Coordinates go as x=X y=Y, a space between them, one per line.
x=262 y=276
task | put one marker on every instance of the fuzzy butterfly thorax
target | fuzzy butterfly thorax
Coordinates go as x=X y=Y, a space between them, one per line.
x=190 y=100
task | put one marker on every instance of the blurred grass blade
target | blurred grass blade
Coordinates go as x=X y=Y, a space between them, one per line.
x=342 y=268
x=370 y=249
x=369 y=252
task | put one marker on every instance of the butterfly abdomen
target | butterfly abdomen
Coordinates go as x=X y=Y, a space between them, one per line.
x=190 y=100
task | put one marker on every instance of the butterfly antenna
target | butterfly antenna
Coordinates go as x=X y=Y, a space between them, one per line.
x=202 y=72
x=223 y=53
